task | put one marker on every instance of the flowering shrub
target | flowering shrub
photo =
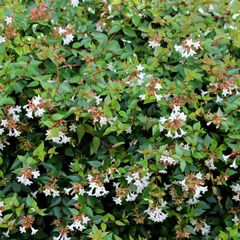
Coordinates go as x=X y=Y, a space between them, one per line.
x=119 y=119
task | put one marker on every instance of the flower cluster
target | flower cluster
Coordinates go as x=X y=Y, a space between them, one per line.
x=57 y=137
x=27 y=222
x=138 y=181
x=193 y=186
x=35 y=107
x=96 y=186
x=236 y=189
x=174 y=123
x=26 y=176
x=188 y=48
x=79 y=223
x=156 y=214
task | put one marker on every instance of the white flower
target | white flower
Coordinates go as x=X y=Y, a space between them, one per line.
x=158 y=97
x=11 y=110
x=153 y=44
x=141 y=75
x=22 y=179
x=56 y=139
x=210 y=164
x=225 y=157
x=36 y=100
x=61 y=30
x=162 y=120
x=78 y=225
x=85 y=219
x=129 y=130
x=196 y=45
x=117 y=200
x=178 y=48
x=1 y=131
x=29 y=113
x=8 y=20
x=55 y=193
x=189 y=42
x=168 y=160
x=199 y=191
x=142 y=97
x=65 y=139
x=103 y=121
x=4 y=122
x=116 y=184
x=6 y=234
x=131 y=197
x=67 y=190
x=236 y=189
x=140 y=67
x=211 y=8
x=111 y=67
x=199 y=175
x=156 y=214
x=89 y=178
x=68 y=39
x=35 y=174
x=2 y=146
x=158 y=86
x=129 y=179
x=205 y=229
x=73 y=128
x=96 y=190
x=22 y=229
x=234 y=164
x=218 y=100
x=39 y=112
x=186 y=50
x=47 y=192
x=18 y=109
x=34 y=231
x=2 y=39
x=14 y=132
x=234 y=16
x=201 y=10
x=98 y=100
x=74 y=3
x=235 y=219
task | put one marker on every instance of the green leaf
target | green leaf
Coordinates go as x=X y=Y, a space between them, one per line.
x=80 y=132
x=6 y=101
x=114 y=28
x=39 y=152
x=99 y=235
x=54 y=133
x=2 y=52
x=118 y=144
x=77 y=45
x=95 y=164
x=114 y=47
x=182 y=165
x=109 y=130
x=129 y=32
x=33 y=204
x=198 y=212
x=119 y=223
x=57 y=116
x=136 y=20
x=100 y=37
x=96 y=144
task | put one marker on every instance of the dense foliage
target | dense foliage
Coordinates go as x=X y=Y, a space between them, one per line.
x=119 y=119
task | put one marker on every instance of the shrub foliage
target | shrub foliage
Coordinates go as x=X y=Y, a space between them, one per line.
x=119 y=119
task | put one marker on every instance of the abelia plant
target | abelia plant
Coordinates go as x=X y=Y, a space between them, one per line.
x=119 y=119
